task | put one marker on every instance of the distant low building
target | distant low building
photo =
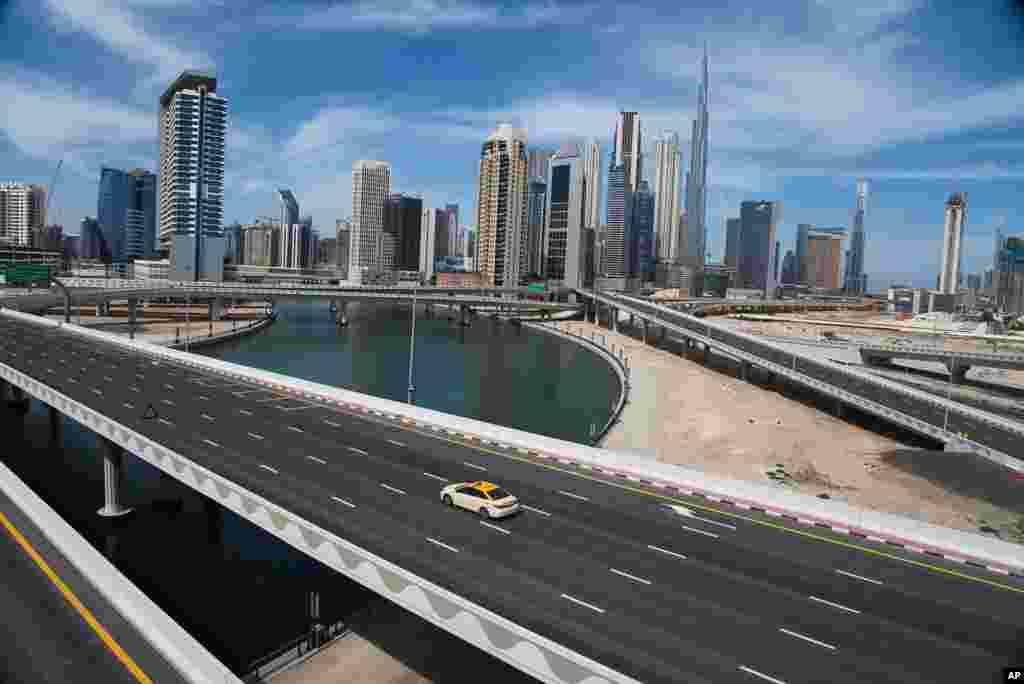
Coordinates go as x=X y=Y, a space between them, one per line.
x=464 y=279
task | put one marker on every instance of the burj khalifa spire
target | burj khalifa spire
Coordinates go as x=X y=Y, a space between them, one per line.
x=696 y=179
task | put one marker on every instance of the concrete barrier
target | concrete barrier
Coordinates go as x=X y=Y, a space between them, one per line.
x=181 y=650
x=994 y=554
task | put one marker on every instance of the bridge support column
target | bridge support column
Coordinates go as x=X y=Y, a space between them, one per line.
x=99 y=310
x=67 y=307
x=615 y=320
x=662 y=334
x=112 y=457
x=55 y=421
x=839 y=408
x=631 y=321
x=214 y=521
x=744 y=371
x=18 y=399
x=644 y=322
x=707 y=354
x=958 y=373
x=133 y=305
x=341 y=316
x=216 y=309
x=463 y=315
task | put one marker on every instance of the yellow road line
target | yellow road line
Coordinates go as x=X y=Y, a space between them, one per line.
x=69 y=596
x=755 y=521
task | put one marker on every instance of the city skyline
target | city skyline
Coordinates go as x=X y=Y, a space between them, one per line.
x=946 y=127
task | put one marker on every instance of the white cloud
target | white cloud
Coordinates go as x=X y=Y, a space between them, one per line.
x=121 y=30
x=419 y=16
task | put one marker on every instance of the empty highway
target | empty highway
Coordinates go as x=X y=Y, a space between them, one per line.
x=600 y=567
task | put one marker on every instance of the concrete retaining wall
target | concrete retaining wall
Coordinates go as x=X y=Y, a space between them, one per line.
x=994 y=554
x=187 y=655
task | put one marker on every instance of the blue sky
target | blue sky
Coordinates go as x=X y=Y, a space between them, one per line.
x=922 y=99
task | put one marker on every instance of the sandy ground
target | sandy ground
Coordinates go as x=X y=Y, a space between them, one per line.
x=350 y=659
x=681 y=412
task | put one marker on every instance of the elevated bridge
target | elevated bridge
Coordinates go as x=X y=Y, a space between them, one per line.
x=958 y=363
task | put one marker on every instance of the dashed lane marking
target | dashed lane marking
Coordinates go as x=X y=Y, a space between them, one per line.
x=358 y=451
x=806 y=638
x=396 y=443
x=761 y=675
x=535 y=510
x=255 y=436
x=591 y=606
x=641 y=580
x=574 y=496
x=473 y=465
x=317 y=460
x=834 y=605
x=209 y=418
x=859 y=577
x=666 y=551
x=442 y=545
x=165 y=422
x=696 y=531
x=211 y=442
x=436 y=477
x=342 y=501
x=495 y=527
x=244 y=412
x=396 y=490
x=266 y=467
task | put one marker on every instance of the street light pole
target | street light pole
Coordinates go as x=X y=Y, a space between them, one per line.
x=412 y=348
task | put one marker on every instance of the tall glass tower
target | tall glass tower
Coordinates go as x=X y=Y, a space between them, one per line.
x=696 y=178
x=855 y=269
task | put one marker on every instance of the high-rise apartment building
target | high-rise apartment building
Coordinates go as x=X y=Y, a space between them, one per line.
x=501 y=207
x=563 y=227
x=442 y=234
x=758 y=221
x=1009 y=274
x=537 y=163
x=22 y=211
x=371 y=186
x=428 y=240
x=536 y=210
x=667 y=176
x=592 y=185
x=126 y=212
x=696 y=180
x=789 y=268
x=854 y=279
x=620 y=201
x=295 y=242
x=91 y=244
x=627 y=148
x=732 y=241
x=260 y=244
x=192 y=130
x=403 y=220
x=454 y=238
x=952 y=237
x=343 y=231
x=823 y=259
x=234 y=244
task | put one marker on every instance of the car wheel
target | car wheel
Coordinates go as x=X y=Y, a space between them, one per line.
x=484 y=513
x=447 y=500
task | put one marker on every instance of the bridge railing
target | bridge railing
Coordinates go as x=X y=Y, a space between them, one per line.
x=915 y=535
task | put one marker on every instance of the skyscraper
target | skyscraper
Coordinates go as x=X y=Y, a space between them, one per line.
x=668 y=160
x=22 y=210
x=343 y=231
x=789 y=268
x=501 y=207
x=91 y=244
x=855 y=272
x=823 y=258
x=592 y=186
x=403 y=219
x=289 y=207
x=428 y=227
x=953 y=233
x=126 y=213
x=537 y=165
x=620 y=200
x=627 y=150
x=732 y=241
x=758 y=221
x=536 y=209
x=454 y=238
x=640 y=246
x=371 y=186
x=192 y=129
x=563 y=227
x=696 y=179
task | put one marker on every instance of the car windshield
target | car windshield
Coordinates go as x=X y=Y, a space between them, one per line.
x=497 y=494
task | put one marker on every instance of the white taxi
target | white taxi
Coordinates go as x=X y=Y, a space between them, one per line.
x=486 y=499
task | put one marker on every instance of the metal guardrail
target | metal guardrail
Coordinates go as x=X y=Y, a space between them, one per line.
x=932 y=351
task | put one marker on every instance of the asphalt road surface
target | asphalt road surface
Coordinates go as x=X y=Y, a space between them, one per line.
x=600 y=567
x=43 y=638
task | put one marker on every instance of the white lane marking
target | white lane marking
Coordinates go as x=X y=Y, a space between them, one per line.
x=442 y=545
x=318 y=460
x=255 y=436
x=134 y=389
x=798 y=635
x=209 y=418
x=165 y=422
x=535 y=510
x=474 y=465
x=390 y=488
x=666 y=551
x=168 y=402
x=96 y=391
x=266 y=467
x=495 y=527
x=342 y=501
x=211 y=442
x=834 y=605
x=683 y=510
x=762 y=675
x=49 y=370
x=127 y=405
x=73 y=380
x=396 y=443
x=332 y=423
x=583 y=603
x=358 y=451
x=244 y=412
x=574 y=496
x=295 y=429
x=204 y=398
x=860 y=577
x=170 y=387
x=108 y=378
x=696 y=531
x=641 y=580
x=436 y=477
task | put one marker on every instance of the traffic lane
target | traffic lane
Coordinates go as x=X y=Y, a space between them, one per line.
x=673 y=580
x=44 y=638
